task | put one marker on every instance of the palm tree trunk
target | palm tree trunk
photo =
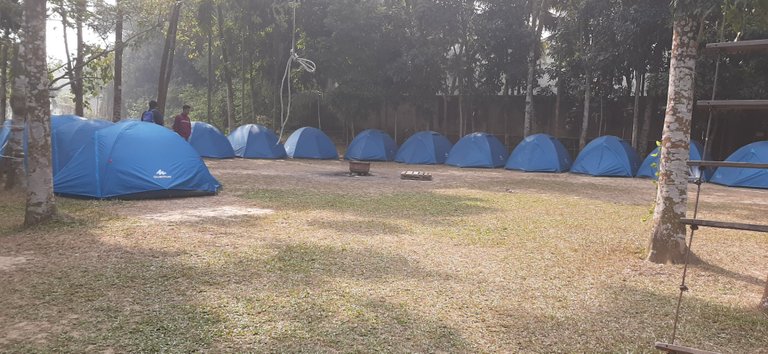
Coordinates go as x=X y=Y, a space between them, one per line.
x=667 y=241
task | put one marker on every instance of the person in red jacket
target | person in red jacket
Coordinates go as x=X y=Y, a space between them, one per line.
x=181 y=123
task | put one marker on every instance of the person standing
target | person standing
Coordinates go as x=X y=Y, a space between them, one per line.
x=153 y=115
x=181 y=123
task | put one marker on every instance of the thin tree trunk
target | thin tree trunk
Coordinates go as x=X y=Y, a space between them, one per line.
x=41 y=205
x=167 y=58
x=667 y=241
x=117 y=100
x=585 y=117
x=4 y=78
x=14 y=150
x=210 y=77
x=533 y=57
x=225 y=62
x=636 y=112
x=242 y=77
x=558 y=104
x=650 y=104
x=77 y=85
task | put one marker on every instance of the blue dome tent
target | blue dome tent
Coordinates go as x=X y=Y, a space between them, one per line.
x=135 y=160
x=209 y=142
x=5 y=133
x=651 y=163
x=253 y=141
x=424 y=148
x=59 y=120
x=607 y=156
x=371 y=145
x=478 y=150
x=539 y=153
x=310 y=143
x=69 y=136
x=745 y=177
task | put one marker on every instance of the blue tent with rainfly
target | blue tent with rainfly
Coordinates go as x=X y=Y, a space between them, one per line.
x=135 y=160
x=745 y=177
x=5 y=137
x=310 y=143
x=371 y=145
x=253 y=141
x=209 y=142
x=478 y=150
x=424 y=148
x=69 y=136
x=539 y=153
x=607 y=156
x=651 y=163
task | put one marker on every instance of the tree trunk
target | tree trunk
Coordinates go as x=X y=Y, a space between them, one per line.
x=77 y=85
x=210 y=77
x=636 y=112
x=14 y=150
x=558 y=104
x=225 y=63
x=167 y=59
x=650 y=105
x=537 y=27
x=667 y=241
x=4 y=78
x=41 y=205
x=585 y=118
x=117 y=100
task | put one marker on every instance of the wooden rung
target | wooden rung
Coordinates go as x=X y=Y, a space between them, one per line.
x=679 y=349
x=733 y=104
x=727 y=164
x=740 y=46
x=725 y=225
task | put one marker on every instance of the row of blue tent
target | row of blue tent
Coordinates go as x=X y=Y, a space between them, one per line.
x=603 y=156
x=92 y=144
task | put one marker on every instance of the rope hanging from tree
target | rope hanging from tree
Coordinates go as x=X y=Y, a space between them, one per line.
x=305 y=64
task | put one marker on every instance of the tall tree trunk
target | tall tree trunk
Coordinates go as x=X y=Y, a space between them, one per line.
x=636 y=112
x=558 y=104
x=77 y=85
x=167 y=59
x=41 y=205
x=225 y=63
x=585 y=118
x=667 y=241
x=533 y=58
x=650 y=105
x=210 y=78
x=4 y=77
x=243 y=94
x=14 y=150
x=117 y=100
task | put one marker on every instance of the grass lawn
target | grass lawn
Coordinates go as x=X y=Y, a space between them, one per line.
x=294 y=256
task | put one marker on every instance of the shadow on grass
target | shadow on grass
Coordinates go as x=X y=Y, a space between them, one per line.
x=412 y=205
x=80 y=294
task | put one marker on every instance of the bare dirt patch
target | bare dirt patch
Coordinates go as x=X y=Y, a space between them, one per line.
x=198 y=214
x=8 y=263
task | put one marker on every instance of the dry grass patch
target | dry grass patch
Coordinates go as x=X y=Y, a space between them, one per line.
x=479 y=261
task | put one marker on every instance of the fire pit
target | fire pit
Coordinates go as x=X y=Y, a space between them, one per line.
x=359 y=168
